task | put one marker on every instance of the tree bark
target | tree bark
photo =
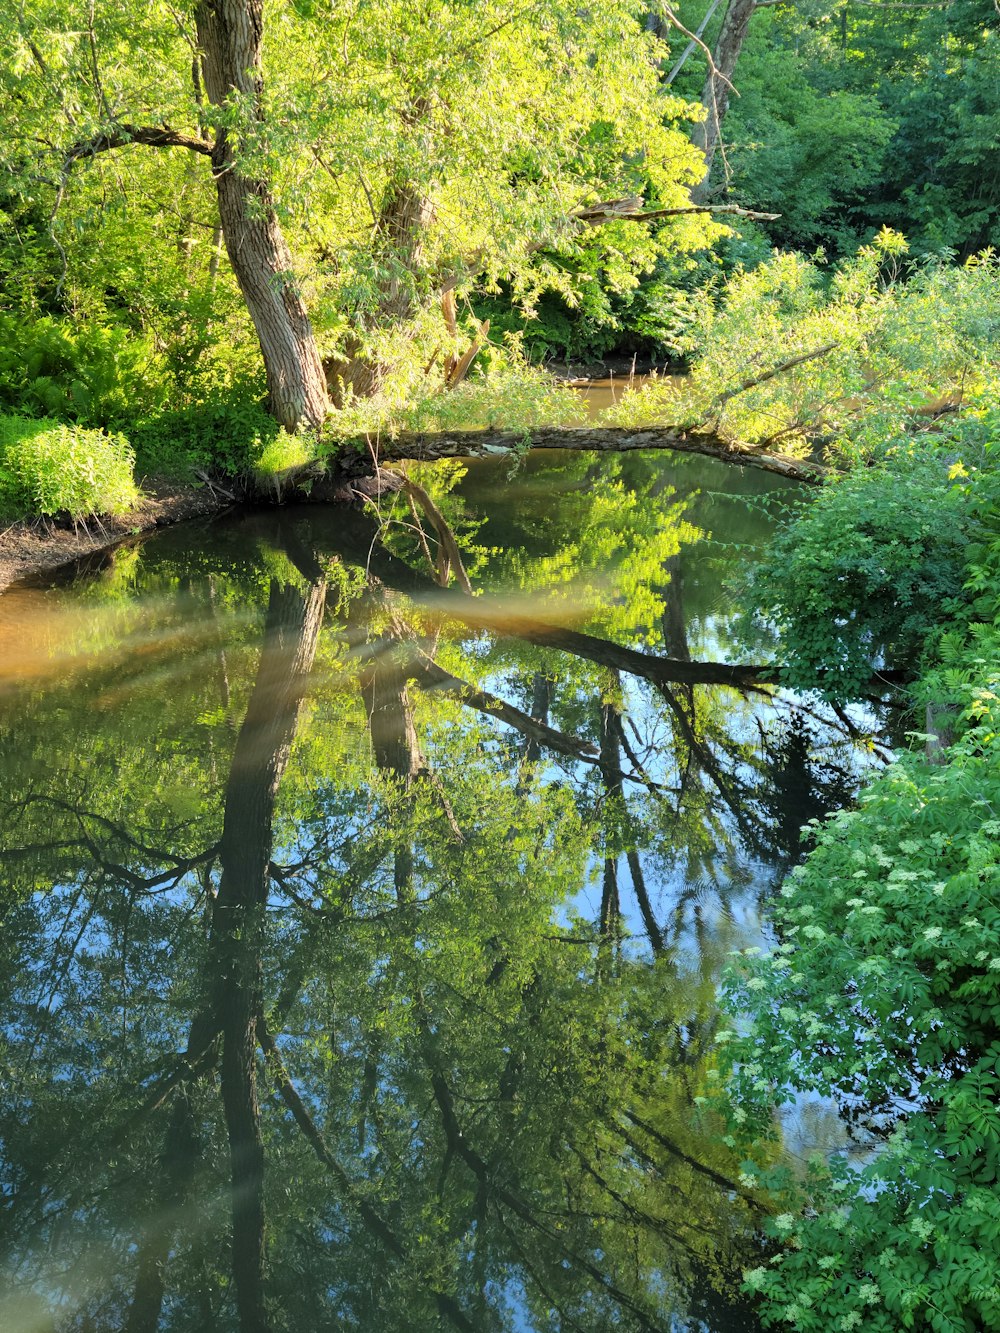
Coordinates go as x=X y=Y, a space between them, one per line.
x=602 y=439
x=400 y=228
x=383 y=683
x=715 y=95
x=230 y=34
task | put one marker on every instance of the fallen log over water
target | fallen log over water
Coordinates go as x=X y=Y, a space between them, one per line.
x=599 y=439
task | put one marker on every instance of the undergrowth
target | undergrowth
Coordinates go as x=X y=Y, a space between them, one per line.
x=54 y=469
x=884 y=343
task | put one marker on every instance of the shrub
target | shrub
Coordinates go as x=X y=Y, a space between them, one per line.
x=866 y=573
x=507 y=395
x=884 y=993
x=229 y=434
x=49 y=468
x=881 y=337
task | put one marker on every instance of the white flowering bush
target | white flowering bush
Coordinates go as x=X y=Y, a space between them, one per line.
x=885 y=994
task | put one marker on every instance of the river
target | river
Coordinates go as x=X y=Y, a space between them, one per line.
x=362 y=936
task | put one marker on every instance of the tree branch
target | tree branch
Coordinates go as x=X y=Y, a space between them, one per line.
x=696 y=37
x=449 y=555
x=120 y=136
x=675 y=22
x=628 y=210
x=779 y=369
x=606 y=439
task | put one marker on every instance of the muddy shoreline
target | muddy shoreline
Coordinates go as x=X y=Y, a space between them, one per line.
x=39 y=546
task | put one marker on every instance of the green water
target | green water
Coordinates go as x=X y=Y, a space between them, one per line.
x=361 y=937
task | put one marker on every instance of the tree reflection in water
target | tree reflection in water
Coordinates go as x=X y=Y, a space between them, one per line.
x=361 y=935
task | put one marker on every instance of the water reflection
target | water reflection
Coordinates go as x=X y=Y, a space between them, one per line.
x=361 y=933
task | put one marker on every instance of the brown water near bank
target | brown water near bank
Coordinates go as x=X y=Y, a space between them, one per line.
x=602 y=393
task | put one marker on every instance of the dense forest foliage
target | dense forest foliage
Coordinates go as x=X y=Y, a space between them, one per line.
x=237 y=239
x=391 y=209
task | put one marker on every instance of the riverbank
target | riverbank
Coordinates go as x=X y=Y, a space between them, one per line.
x=32 y=547
x=36 y=546
x=39 y=546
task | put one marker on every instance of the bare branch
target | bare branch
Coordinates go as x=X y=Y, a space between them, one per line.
x=121 y=136
x=629 y=210
x=692 y=44
x=675 y=22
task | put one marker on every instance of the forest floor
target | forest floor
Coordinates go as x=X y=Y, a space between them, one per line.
x=39 y=545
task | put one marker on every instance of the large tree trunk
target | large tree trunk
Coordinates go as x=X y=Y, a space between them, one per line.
x=390 y=714
x=229 y=35
x=715 y=95
x=404 y=216
x=395 y=746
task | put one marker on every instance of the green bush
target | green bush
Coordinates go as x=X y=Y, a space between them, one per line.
x=884 y=993
x=880 y=336
x=50 y=468
x=864 y=575
x=228 y=434
x=507 y=394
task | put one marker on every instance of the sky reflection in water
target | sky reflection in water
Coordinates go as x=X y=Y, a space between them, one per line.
x=378 y=926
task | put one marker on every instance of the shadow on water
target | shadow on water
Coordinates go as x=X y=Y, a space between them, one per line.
x=362 y=936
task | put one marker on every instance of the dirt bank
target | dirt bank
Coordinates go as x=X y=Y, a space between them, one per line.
x=31 y=548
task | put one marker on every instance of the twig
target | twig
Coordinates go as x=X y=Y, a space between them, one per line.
x=214 y=486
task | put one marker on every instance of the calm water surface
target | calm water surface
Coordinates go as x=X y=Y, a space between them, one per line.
x=362 y=934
